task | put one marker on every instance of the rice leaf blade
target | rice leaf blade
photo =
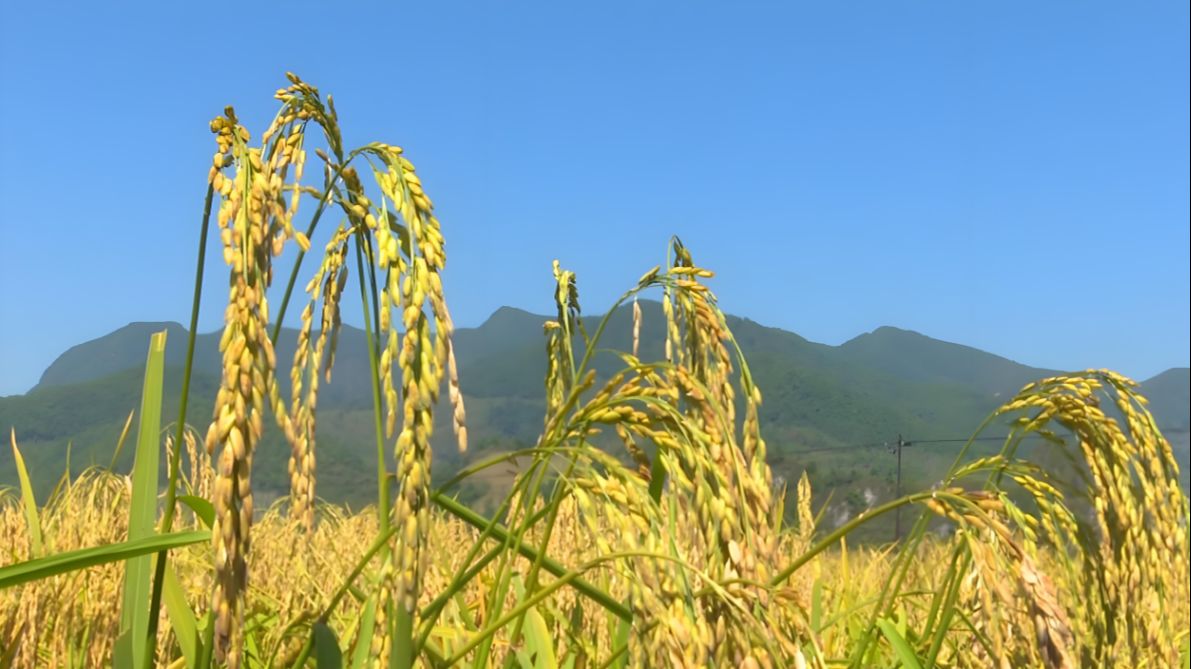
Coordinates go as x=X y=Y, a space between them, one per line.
x=60 y=563
x=142 y=515
x=181 y=617
x=538 y=642
x=122 y=651
x=620 y=644
x=364 y=636
x=326 y=648
x=120 y=442
x=201 y=508
x=28 y=501
x=901 y=647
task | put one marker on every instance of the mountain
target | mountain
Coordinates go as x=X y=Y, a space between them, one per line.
x=909 y=355
x=1170 y=395
x=117 y=351
x=867 y=391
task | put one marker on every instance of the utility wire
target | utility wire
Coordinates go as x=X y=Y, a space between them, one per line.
x=914 y=442
x=831 y=449
x=892 y=444
x=896 y=448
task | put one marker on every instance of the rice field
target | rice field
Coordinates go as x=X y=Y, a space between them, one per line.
x=671 y=550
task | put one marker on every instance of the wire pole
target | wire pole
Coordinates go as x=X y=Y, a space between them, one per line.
x=897 y=522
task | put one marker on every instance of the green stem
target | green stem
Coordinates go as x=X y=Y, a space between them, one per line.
x=486 y=463
x=948 y=610
x=374 y=293
x=430 y=612
x=479 y=522
x=940 y=594
x=379 y=543
x=590 y=348
x=382 y=474
x=432 y=609
x=171 y=491
x=891 y=588
x=844 y=530
x=531 y=579
x=526 y=489
x=520 y=609
x=616 y=655
x=293 y=275
x=429 y=619
x=207 y=645
x=402 y=656
x=902 y=563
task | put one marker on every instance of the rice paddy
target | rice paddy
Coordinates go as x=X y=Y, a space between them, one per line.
x=672 y=548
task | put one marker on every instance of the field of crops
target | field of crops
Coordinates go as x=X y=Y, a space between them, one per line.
x=671 y=549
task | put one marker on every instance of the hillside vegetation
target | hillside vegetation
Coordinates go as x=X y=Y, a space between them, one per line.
x=866 y=391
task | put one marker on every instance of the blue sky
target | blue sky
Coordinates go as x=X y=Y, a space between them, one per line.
x=1012 y=176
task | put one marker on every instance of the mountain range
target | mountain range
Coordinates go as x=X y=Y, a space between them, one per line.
x=828 y=410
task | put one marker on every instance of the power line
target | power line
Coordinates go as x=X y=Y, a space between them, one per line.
x=851 y=447
x=900 y=444
x=892 y=444
x=952 y=440
x=958 y=440
x=1027 y=436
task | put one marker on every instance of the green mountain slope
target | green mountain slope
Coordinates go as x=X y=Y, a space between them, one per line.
x=866 y=391
x=909 y=355
x=1170 y=395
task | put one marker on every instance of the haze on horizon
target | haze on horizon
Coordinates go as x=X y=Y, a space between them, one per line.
x=1012 y=177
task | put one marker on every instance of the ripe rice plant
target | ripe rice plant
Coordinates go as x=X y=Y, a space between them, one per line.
x=645 y=530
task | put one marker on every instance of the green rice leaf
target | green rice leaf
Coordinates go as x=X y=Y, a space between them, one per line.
x=201 y=508
x=142 y=515
x=120 y=441
x=32 y=519
x=181 y=617
x=901 y=648
x=538 y=642
x=364 y=637
x=620 y=644
x=60 y=563
x=122 y=651
x=326 y=647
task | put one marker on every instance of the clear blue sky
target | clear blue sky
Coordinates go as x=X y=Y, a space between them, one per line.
x=1013 y=176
